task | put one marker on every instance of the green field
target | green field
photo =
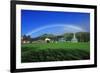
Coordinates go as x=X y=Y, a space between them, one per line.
x=41 y=52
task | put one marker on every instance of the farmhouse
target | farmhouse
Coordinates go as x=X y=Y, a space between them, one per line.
x=24 y=40
x=47 y=40
x=74 y=39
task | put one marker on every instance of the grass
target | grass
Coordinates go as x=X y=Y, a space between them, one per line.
x=41 y=52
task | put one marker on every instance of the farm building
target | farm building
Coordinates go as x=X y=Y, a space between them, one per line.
x=47 y=40
x=62 y=40
x=74 y=39
x=23 y=40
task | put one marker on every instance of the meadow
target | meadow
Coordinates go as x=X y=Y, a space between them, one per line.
x=61 y=51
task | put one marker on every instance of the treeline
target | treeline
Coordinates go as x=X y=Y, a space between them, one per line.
x=81 y=37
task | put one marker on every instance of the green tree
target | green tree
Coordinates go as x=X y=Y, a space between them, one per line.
x=68 y=36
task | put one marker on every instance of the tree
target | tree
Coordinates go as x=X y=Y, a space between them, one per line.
x=83 y=36
x=68 y=36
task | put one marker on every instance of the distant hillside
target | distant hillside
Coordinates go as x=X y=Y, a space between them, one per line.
x=81 y=36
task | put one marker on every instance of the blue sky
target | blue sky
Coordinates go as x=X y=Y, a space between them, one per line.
x=36 y=23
